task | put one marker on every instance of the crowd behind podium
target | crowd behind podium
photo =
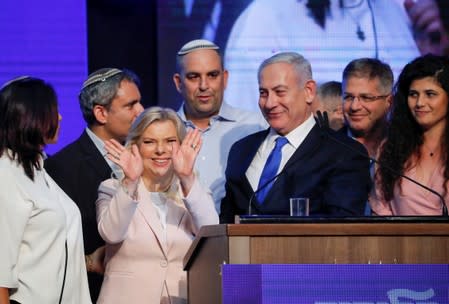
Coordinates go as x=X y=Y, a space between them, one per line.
x=109 y=218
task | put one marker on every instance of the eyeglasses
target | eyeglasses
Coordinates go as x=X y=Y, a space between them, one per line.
x=363 y=98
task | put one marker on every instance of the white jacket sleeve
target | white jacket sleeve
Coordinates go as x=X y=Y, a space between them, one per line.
x=15 y=211
x=115 y=210
x=200 y=204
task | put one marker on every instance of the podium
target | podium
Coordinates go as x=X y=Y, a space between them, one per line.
x=310 y=242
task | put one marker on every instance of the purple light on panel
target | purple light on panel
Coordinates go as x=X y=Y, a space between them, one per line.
x=335 y=284
x=47 y=39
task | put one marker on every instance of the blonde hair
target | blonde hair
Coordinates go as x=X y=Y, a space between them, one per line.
x=142 y=122
x=151 y=115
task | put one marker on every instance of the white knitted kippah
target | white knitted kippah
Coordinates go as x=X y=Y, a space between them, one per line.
x=197 y=45
x=100 y=76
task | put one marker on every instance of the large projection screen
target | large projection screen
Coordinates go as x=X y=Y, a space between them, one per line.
x=47 y=39
x=250 y=31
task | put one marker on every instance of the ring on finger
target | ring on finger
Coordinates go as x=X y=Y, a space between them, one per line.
x=193 y=146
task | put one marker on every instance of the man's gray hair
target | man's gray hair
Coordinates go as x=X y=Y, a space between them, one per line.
x=301 y=64
x=101 y=88
x=371 y=68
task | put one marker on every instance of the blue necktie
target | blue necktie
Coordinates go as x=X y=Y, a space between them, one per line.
x=270 y=169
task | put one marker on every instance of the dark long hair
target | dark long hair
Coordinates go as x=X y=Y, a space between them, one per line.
x=405 y=136
x=28 y=116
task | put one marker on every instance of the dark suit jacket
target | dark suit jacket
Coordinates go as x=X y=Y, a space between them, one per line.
x=78 y=169
x=336 y=179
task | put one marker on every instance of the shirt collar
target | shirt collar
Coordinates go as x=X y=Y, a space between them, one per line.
x=226 y=112
x=297 y=135
x=97 y=141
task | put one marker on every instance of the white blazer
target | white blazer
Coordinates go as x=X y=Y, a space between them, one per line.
x=142 y=265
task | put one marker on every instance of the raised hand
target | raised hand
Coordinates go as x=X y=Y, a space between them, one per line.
x=184 y=156
x=128 y=159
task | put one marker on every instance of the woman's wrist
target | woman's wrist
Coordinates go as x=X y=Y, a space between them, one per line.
x=187 y=183
x=130 y=187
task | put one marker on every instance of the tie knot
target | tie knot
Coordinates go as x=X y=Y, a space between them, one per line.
x=280 y=142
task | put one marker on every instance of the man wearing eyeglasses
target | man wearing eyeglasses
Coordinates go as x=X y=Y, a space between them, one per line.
x=367 y=97
x=110 y=102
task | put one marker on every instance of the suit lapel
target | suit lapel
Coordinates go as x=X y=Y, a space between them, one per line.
x=302 y=154
x=151 y=216
x=307 y=148
x=93 y=157
x=175 y=217
x=249 y=151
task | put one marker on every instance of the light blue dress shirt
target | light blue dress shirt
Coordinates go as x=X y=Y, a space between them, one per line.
x=230 y=125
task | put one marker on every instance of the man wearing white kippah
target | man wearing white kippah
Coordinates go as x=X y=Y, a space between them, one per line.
x=201 y=80
x=110 y=102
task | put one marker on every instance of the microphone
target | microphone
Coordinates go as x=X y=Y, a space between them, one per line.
x=263 y=187
x=323 y=123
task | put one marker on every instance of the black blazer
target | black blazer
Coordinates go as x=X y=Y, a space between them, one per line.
x=336 y=179
x=78 y=169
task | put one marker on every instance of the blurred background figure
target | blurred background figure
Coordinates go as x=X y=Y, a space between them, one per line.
x=330 y=33
x=417 y=144
x=430 y=25
x=42 y=255
x=152 y=211
x=328 y=98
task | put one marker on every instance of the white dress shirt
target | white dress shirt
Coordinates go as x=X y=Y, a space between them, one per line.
x=225 y=128
x=295 y=139
x=36 y=220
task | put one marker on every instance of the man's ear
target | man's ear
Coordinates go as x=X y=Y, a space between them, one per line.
x=310 y=91
x=225 y=78
x=177 y=81
x=389 y=100
x=100 y=113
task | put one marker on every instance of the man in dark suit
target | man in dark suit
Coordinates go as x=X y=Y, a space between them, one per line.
x=110 y=102
x=334 y=176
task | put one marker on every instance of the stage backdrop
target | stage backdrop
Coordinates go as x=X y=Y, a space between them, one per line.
x=61 y=41
x=47 y=39
x=250 y=31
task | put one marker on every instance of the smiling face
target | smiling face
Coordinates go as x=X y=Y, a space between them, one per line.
x=428 y=103
x=364 y=117
x=284 y=102
x=201 y=83
x=156 y=146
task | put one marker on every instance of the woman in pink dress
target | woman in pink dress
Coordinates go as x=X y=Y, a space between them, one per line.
x=417 y=144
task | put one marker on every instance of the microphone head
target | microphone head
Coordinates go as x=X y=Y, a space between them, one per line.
x=322 y=119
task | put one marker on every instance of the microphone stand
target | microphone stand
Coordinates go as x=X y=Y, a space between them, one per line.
x=262 y=187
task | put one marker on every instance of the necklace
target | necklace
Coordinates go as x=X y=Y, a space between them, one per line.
x=431 y=152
